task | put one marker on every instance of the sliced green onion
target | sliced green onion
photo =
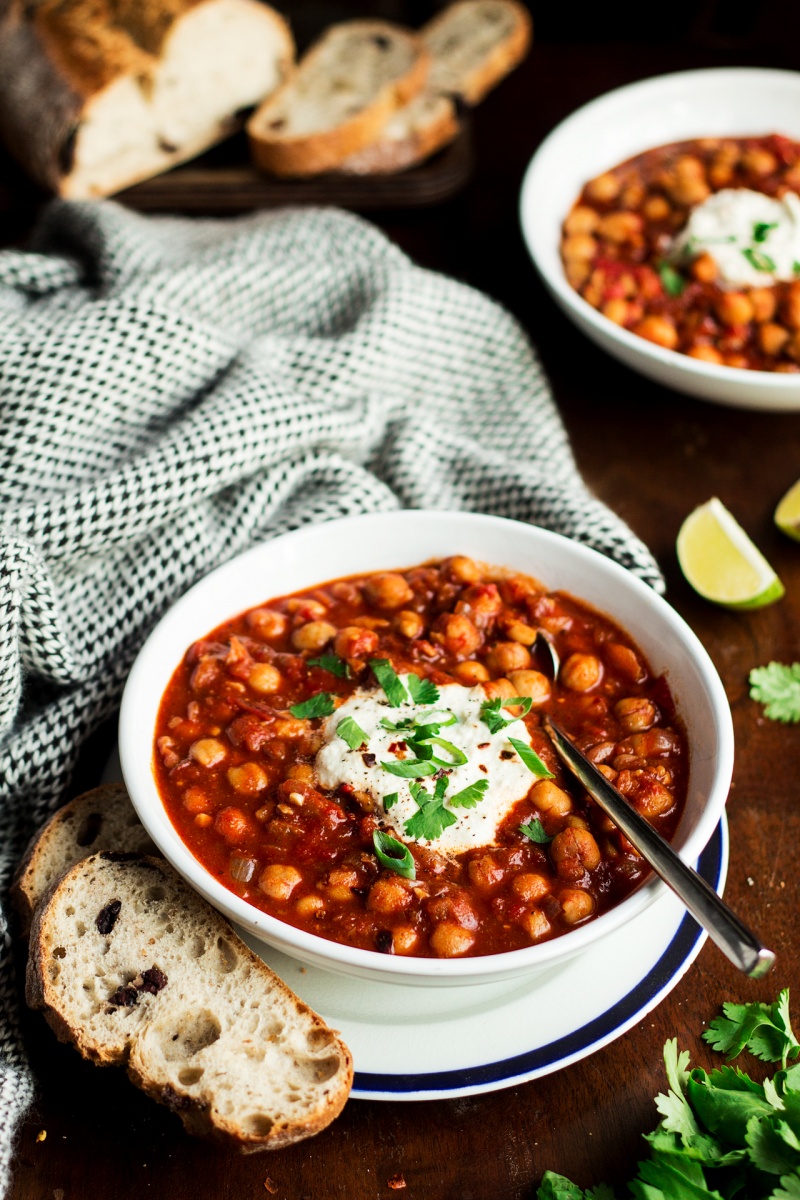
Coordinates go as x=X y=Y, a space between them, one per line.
x=394 y=855
x=458 y=756
x=531 y=759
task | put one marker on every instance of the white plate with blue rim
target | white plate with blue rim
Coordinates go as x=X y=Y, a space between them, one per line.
x=413 y=1043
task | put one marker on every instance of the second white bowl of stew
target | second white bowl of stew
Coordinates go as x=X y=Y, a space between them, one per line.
x=337 y=739
x=664 y=218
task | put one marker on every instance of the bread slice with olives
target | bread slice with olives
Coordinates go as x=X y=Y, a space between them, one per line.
x=473 y=44
x=102 y=819
x=339 y=99
x=133 y=968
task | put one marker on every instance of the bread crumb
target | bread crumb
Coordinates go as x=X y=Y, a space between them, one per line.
x=58 y=1194
x=41 y=1135
x=396 y=1182
x=270 y=1186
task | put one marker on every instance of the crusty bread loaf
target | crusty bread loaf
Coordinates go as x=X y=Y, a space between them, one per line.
x=132 y=967
x=102 y=819
x=98 y=94
x=339 y=99
x=473 y=44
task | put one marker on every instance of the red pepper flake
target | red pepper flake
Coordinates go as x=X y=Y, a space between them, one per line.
x=396 y=1182
x=270 y=1186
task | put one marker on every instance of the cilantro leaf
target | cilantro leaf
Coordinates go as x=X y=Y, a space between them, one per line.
x=777 y=686
x=422 y=690
x=469 y=796
x=758 y=259
x=765 y=1029
x=393 y=854
x=672 y=283
x=390 y=800
x=725 y=1101
x=557 y=1187
x=789 y=1189
x=535 y=831
x=531 y=759
x=320 y=705
x=389 y=680
x=410 y=768
x=773 y=1145
x=796 y=267
x=331 y=662
x=431 y=818
x=351 y=732
x=497 y=721
x=762 y=228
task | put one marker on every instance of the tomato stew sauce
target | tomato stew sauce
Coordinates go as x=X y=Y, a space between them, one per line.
x=620 y=229
x=236 y=769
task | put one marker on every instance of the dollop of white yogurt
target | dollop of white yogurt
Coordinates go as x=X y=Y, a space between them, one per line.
x=754 y=239
x=489 y=756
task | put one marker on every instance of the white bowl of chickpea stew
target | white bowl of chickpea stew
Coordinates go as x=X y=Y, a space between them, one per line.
x=609 y=193
x=321 y=736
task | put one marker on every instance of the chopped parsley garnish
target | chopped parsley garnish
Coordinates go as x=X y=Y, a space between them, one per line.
x=497 y=721
x=672 y=283
x=334 y=664
x=468 y=797
x=431 y=818
x=390 y=800
x=761 y=229
x=531 y=759
x=422 y=690
x=758 y=259
x=320 y=705
x=389 y=680
x=351 y=732
x=535 y=831
x=393 y=854
x=412 y=768
x=777 y=686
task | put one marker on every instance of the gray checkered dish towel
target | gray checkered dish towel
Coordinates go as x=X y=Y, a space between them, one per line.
x=173 y=391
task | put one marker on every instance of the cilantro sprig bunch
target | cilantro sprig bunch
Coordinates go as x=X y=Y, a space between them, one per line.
x=722 y=1135
x=777 y=687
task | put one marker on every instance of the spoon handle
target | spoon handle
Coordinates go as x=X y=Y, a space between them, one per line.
x=745 y=950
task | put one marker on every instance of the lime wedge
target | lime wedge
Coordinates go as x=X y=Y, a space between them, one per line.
x=721 y=563
x=787 y=514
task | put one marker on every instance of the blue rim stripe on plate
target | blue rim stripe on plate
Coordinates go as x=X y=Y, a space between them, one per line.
x=639 y=999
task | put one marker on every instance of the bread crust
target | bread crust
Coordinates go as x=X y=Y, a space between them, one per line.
x=131 y=1043
x=501 y=59
x=314 y=153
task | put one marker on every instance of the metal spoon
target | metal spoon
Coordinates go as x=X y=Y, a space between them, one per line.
x=745 y=950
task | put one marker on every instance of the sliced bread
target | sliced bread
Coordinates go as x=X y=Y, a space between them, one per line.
x=98 y=94
x=133 y=968
x=102 y=819
x=473 y=44
x=339 y=99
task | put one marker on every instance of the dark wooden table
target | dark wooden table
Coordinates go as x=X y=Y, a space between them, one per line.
x=652 y=455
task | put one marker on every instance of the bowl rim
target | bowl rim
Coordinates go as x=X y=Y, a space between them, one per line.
x=136 y=755
x=556 y=280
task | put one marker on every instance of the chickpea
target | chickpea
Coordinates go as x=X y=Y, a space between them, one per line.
x=405 y=939
x=736 y=360
x=499 y=687
x=689 y=167
x=791 y=306
x=687 y=185
x=577 y=272
x=288 y=727
x=533 y=684
x=530 y=887
x=267 y=623
x=264 y=678
x=355 y=642
x=600 y=752
x=632 y=195
x=462 y=569
x=603 y=188
x=278 y=881
x=302 y=771
x=449 y=940
x=481 y=602
x=734 y=308
x=535 y=924
x=624 y=660
x=759 y=162
x=518 y=631
x=409 y=624
x=485 y=874
x=508 y=656
x=309 y=906
x=458 y=635
x=704 y=268
x=576 y=904
x=635 y=713
x=340 y=883
x=306 y=609
x=660 y=330
x=617 y=310
x=620 y=227
x=248 y=779
x=573 y=851
x=706 y=354
x=656 y=208
x=764 y=302
x=388 y=590
x=653 y=800
x=582 y=219
x=549 y=798
x=314 y=635
x=234 y=825
x=388 y=895
x=207 y=752
x=792 y=347
x=194 y=800
x=203 y=820
x=579 y=247
x=581 y=672
x=470 y=673
x=772 y=338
